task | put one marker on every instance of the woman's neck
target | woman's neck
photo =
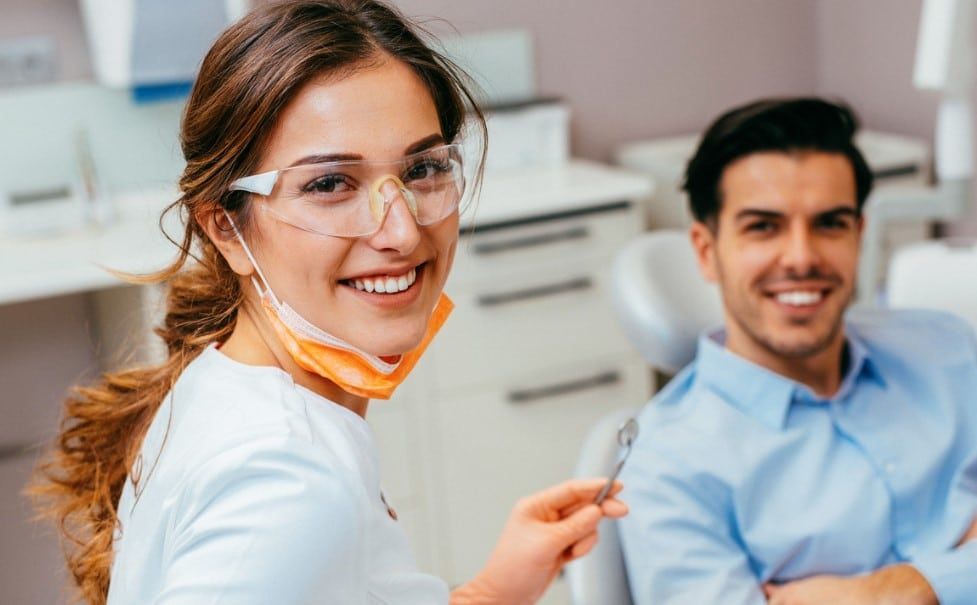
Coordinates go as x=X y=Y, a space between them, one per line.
x=253 y=342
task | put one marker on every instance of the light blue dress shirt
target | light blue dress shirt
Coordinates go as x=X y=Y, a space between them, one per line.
x=741 y=476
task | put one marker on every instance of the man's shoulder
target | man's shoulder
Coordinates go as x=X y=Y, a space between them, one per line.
x=921 y=334
x=688 y=416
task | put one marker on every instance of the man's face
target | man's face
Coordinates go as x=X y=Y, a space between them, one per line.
x=784 y=251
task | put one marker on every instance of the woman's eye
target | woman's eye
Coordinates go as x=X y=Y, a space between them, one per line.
x=330 y=183
x=426 y=169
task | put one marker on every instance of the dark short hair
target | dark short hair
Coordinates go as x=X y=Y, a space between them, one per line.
x=787 y=125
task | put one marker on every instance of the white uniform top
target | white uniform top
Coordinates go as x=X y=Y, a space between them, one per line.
x=252 y=489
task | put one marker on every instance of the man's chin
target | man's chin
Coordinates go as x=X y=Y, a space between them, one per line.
x=800 y=346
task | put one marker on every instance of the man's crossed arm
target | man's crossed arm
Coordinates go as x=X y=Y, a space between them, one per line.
x=899 y=584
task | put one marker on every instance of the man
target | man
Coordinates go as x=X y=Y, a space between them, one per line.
x=804 y=457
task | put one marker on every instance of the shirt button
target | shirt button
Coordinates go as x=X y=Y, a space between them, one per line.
x=890 y=468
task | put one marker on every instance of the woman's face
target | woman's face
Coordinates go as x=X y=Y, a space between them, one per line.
x=378 y=113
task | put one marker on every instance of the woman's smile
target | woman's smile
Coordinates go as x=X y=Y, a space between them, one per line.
x=389 y=289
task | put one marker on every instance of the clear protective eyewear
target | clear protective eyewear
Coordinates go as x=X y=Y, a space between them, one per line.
x=350 y=198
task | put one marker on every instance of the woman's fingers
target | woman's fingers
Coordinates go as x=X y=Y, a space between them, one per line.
x=569 y=496
x=611 y=507
x=584 y=546
x=574 y=528
x=614 y=508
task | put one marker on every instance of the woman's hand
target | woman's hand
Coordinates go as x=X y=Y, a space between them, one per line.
x=544 y=532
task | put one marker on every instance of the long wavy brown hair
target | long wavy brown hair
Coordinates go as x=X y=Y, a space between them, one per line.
x=248 y=77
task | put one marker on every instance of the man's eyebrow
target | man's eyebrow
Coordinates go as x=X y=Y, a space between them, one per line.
x=752 y=213
x=755 y=213
x=427 y=142
x=839 y=211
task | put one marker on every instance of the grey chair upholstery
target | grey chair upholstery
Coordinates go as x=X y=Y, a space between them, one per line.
x=661 y=299
x=600 y=577
x=935 y=275
x=663 y=304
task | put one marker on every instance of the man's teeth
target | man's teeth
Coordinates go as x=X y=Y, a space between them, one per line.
x=800 y=298
x=385 y=285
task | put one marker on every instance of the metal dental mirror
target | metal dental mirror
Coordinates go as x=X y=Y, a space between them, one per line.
x=626 y=434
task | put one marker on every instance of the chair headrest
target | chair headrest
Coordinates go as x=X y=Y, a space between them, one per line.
x=661 y=299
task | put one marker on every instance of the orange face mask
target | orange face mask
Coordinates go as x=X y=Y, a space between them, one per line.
x=353 y=370
x=315 y=350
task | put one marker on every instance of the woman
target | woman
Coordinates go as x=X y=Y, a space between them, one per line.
x=321 y=198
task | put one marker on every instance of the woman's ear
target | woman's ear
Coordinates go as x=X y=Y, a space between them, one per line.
x=218 y=227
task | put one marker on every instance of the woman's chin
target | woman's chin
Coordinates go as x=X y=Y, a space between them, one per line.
x=392 y=348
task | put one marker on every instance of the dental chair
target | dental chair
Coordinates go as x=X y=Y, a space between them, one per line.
x=663 y=304
x=939 y=275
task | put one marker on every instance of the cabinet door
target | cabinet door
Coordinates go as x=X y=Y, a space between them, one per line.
x=399 y=428
x=31 y=567
x=543 y=316
x=500 y=444
x=494 y=252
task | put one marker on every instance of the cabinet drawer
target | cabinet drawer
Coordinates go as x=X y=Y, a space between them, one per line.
x=495 y=450
x=554 y=315
x=495 y=251
x=32 y=570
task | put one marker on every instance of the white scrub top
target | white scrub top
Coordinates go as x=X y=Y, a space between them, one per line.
x=251 y=489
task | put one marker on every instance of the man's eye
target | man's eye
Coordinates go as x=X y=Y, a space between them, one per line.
x=761 y=227
x=834 y=224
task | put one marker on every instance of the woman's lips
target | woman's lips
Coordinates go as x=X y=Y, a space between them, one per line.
x=389 y=291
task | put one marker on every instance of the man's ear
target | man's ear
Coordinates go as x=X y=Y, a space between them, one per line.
x=703 y=240
x=217 y=225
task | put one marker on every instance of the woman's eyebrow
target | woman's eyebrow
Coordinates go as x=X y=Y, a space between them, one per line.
x=323 y=158
x=426 y=143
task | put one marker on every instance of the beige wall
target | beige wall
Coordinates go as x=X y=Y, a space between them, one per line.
x=58 y=18
x=638 y=68
x=632 y=69
x=865 y=53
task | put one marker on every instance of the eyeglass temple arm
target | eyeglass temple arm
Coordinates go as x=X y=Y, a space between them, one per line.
x=262 y=184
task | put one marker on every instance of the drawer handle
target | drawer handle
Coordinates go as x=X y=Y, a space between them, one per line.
x=574 y=285
x=16 y=450
x=555 y=390
x=533 y=241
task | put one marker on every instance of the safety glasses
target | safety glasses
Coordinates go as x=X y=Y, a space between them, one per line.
x=350 y=198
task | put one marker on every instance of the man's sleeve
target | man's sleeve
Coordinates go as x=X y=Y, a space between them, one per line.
x=953 y=574
x=679 y=542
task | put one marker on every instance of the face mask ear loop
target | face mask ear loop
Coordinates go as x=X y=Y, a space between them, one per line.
x=257 y=268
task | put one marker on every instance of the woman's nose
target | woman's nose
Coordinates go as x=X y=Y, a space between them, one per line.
x=398 y=226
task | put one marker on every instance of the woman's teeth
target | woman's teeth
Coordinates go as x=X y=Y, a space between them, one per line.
x=800 y=298
x=390 y=284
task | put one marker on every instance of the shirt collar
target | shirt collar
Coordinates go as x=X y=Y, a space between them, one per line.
x=763 y=393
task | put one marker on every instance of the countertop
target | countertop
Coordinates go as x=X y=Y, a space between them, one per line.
x=40 y=267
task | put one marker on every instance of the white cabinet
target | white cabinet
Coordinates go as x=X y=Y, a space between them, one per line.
x=501 y=442
x=529 y=360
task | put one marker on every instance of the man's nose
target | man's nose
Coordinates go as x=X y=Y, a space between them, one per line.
x=800 y=253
